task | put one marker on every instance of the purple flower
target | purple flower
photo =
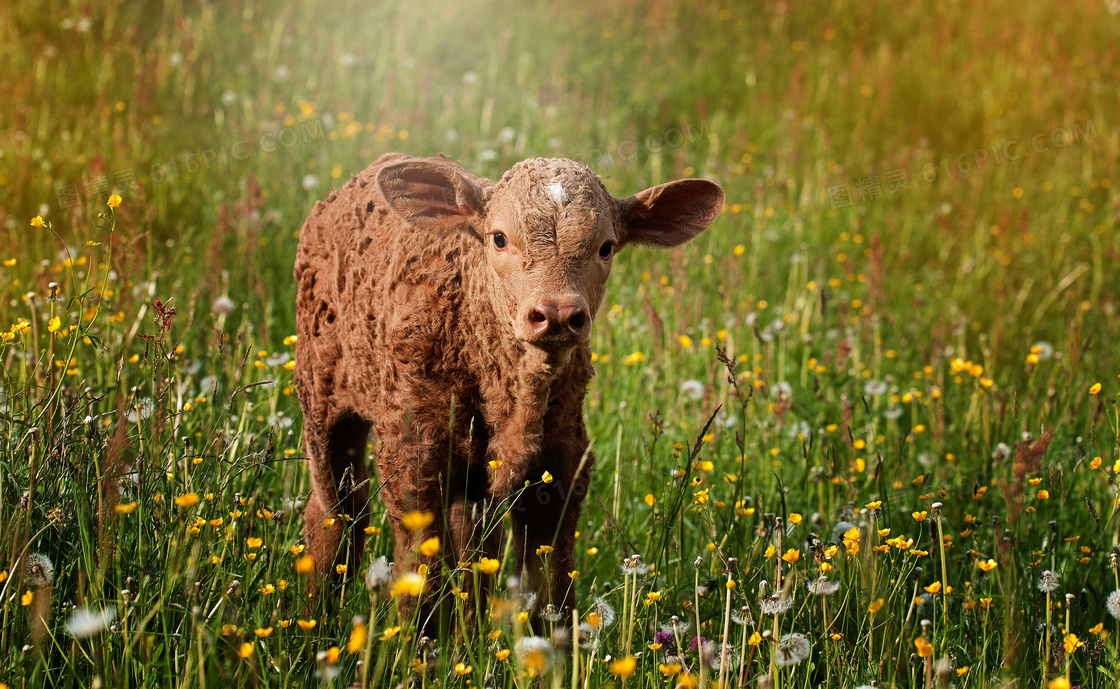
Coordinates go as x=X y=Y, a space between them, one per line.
x=696 y=642
x=664 y=638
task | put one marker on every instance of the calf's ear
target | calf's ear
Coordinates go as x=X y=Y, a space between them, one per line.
x=670 y=214
x=431 y=195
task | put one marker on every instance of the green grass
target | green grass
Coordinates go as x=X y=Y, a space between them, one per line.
x=880 y=351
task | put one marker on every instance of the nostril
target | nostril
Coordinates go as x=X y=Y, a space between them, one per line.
x=536 y=317
x=577 y=320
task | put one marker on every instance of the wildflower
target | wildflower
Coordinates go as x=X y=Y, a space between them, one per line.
x=305 y=564
x=792 y=649
x=245 y=650
x=37 y=221
x=187 y=500
x=114 y=201
x=297 y=548
x=417 y=520
x=546 y=477
x=38 y=570
x=823 y=587
x=1072 y=643
x=341 y=569
x=263 y=632
x=1113 y=604
x=624 y=667
x=551 y=613
x=223 y=306
x=920 y=516
x=26 y=598
x=254 y=542
x=794 y=518
x=1048 y=582
x=693 y=389
x=925 y=648
x=675 y=626
x=306 y=625
x=535 y=654
x=463 y=669
x=1095 y=389
x=488 y=566
x=84 y=623
x=755 y=639
x=633 y=565
x=410 y=584
x=792 y=555
x=742 y=616
x=987 y=565
x=357 y=636
x=876 y=605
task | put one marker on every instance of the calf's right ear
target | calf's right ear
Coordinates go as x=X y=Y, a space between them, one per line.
x=431 y=195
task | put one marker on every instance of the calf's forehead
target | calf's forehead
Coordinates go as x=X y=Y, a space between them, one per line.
x=554 y=202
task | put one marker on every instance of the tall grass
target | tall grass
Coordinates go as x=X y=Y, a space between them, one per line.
x=912 y=394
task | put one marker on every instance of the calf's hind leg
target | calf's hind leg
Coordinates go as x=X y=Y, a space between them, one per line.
x=338 y=510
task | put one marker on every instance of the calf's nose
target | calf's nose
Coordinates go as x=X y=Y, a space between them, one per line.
x=559 y=320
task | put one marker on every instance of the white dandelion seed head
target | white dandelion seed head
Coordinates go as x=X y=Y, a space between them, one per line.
x=792 y=649
x=529 y=600
x=783 y=390
x=693 y=389
x=507 y=135
x=223 y=305
x=38 y=570
x=675 y=625
x=1114 y=604
x=84 y=623
x=380 y=572
x=1048 y=582
x=875 y=388
x=775 y=604
x=742 y=616
x=551 y=613
x=1001 y=452
x=531 y=645
x=1045 y=350
x=605 y=612
x=823 y=587
x=309 y=182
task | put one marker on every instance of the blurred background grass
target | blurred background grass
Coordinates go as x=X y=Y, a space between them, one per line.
x=221 y=124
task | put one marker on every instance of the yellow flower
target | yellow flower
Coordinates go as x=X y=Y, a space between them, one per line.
x=670 y=669
x=502 y=654
x=874 y=505
x=1095 y=464
x=792 y=555
x=876 y=606
x=755 y=639
x=1058 y=683
x=925 y=648
x=495 y=464
x=115 y=201
x=125 y=508
x=573 y=574
x=794 y=518
x=26 y=598
x=1095 y=389
x=650 y=499
x=417 y=520
x=341 y=569
x=187 y=500
x=254 y=542
x=462 y=669
x=1072 y=643
x=1097 y=629
x=306 y=625
x=268 y=589
x=297 y=548
x=357 y=638
x=987 y=565
x=685 y=341
x=263 y=632
x=332 y=654
x=769 y=552
x=624 y=667
x=430 y=547
x=410 y=584
x=544 y=550
x=935 y=587
x=546 y=477
x=488 y=566
x=37 y=221
x=305 y=564
x=1043 y=494
x=245 y=650
x=920 y=516
x=54 y=324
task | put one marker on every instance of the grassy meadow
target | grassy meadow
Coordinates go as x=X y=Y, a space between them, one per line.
x=864 y=431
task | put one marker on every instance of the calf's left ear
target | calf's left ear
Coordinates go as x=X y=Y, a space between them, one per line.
x=431 y=194
x=670 y=214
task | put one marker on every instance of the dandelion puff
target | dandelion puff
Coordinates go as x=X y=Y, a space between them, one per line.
x=792 y=649
x=84 y=623
x=1045 y=349
x=726 y=655
x=675 y=625
x=1001 y=452
x=775 y=604
x=551 y=613
x=38 y=570
x=1048 y=582
x=223 y=306
x=588 y=637
x=693 y=389
x=379 y=573
x=1114 y=604
x=530 y=599
x=875 y=388
x=823 y=587
x=742 y=616
x=605 y=612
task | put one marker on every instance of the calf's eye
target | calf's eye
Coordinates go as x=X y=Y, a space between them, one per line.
x=606 y=249
x=499 y=240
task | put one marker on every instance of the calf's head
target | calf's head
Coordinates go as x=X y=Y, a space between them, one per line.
x=550 y=232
